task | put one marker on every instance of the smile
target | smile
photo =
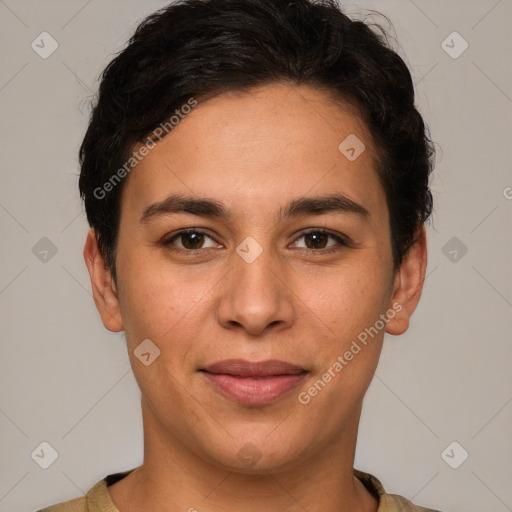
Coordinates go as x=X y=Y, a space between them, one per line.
x=257 y=383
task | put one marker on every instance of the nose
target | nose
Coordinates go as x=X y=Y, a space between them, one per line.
x=255 y=295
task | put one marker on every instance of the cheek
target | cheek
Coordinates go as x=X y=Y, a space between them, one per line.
x=349 y=300
x=160 y=307
x=151 y=301
x=351 y=306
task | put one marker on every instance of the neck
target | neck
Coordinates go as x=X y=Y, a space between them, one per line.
x=173 y=477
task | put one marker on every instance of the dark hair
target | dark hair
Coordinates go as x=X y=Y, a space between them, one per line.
x=199 y=48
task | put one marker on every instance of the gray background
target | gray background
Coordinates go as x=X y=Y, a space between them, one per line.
x=65 y=380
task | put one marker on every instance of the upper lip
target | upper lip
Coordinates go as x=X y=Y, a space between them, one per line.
x=243 y=368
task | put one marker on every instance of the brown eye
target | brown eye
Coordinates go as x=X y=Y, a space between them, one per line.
x=316 y=240
x=188 y=240
x=192 y=240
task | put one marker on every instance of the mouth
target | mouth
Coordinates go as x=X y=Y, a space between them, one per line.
x=254 y=383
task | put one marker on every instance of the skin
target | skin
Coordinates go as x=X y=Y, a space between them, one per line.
x=255 y=152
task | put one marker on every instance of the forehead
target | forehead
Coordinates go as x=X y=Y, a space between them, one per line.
x=274 y=142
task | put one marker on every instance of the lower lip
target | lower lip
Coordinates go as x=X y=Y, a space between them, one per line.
x=255 y=390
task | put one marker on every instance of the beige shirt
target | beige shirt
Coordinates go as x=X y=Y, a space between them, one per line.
x=98 y=499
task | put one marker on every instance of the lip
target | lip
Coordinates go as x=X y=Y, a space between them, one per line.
x=254 y=383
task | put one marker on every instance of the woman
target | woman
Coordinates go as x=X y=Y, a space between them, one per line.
x=255 y=175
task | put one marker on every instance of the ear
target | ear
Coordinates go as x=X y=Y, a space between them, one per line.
x=408 y=284
x=103 y=286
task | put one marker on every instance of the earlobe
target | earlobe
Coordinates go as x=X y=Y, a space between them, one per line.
x=103 y=287
x=408 y=284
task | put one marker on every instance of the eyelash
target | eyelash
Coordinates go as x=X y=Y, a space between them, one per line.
x=167 y=243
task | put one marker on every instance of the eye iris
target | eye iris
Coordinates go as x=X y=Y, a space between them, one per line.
x=317 y=238
x=194 y=238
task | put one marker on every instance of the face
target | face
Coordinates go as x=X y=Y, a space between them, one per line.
x=288 y=257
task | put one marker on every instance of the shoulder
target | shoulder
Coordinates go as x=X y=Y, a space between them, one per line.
x=397 y=503
x=97 y=498
x=76 y=505
x=388 y=502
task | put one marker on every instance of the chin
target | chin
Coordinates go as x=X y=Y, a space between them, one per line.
x=256 y=454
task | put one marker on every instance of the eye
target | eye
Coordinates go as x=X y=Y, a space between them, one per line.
x=316 y=239
x=190 y=240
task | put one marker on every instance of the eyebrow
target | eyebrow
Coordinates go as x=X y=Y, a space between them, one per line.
x=299 y=207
